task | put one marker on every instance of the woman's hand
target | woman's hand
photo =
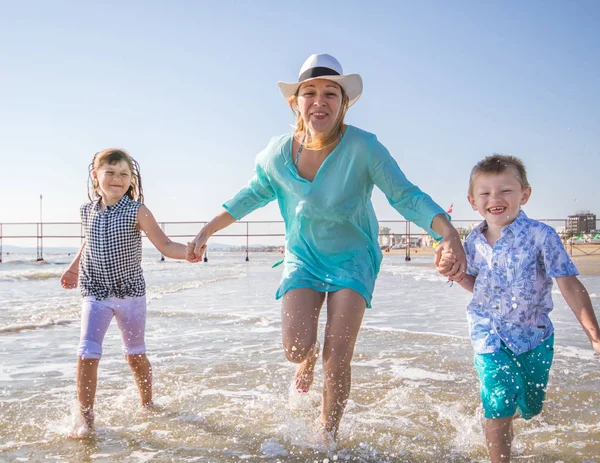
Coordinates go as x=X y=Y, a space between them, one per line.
x=69 y=279
x=450 y=258
x=446 y=262
x=196 y=248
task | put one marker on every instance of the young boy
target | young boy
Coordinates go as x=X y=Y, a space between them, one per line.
x=511 y=262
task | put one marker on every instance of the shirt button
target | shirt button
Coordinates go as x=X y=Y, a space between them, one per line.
x=495 y=264
x=497 y=307
x=496 y=287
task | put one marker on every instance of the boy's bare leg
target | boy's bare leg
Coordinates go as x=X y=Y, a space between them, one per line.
x=345 y=310
x=499 y=436
x=142 y=373
x=299 y=325
x=87 y=380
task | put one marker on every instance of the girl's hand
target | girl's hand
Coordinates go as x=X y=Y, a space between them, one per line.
x=189 y=253
x=69 y=279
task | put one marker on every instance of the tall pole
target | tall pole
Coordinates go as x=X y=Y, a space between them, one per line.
x=247 y=257
x=40 y=255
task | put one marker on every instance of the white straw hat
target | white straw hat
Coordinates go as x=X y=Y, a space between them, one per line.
x=325 y=67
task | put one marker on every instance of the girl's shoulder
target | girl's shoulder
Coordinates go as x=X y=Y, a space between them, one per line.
x=85 y=208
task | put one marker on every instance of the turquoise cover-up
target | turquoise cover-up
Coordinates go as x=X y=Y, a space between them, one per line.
x=330 y=224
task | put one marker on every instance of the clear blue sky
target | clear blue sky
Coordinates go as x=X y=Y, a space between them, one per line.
x=189 y=89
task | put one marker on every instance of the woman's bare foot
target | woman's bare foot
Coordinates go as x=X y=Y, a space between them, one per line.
x=305 y=373
x=83 y=425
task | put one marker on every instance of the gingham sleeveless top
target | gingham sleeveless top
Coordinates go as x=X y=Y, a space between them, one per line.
x=111 y=261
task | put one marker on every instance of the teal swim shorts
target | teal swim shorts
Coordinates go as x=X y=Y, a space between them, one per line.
x=512 y=382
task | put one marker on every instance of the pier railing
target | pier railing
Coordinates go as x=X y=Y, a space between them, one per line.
x=243 y=236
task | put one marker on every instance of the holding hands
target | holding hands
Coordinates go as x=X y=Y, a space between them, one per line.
x=196 y=248
x=195 y=251
x=450 y=259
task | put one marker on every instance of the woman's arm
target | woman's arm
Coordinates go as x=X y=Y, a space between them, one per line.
x=221 y=221
x=415 y=205
x=162 y=242
x=450 y=242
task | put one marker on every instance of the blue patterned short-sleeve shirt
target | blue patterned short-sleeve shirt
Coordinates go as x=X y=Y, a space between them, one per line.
x=512 y=296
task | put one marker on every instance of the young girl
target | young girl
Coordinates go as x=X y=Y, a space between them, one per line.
x=108 y=268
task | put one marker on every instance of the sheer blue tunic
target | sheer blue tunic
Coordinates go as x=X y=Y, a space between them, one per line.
x=330 y=224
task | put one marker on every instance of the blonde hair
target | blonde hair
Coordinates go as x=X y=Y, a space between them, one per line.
x=496 y=164
x=329 y=138
x=112 y=156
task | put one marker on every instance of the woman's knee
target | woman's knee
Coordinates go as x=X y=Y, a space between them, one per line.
x=297 y=349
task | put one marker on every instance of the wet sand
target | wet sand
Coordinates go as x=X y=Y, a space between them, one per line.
x=586 y=257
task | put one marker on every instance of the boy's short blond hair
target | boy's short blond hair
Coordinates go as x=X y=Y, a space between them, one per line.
x=496 y=164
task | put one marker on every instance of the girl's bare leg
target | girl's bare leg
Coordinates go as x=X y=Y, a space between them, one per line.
x=142 y=373
x=87 y=380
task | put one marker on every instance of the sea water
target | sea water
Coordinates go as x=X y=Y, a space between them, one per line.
x=222 y=383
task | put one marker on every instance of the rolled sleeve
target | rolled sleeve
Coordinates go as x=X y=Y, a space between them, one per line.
x=258 y=193
x=404 y=196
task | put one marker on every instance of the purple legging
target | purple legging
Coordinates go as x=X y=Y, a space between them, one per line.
x=95 y=320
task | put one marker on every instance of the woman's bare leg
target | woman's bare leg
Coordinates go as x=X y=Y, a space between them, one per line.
x=299 y=325
x=345 y=310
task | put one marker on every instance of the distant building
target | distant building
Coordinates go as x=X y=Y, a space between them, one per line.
x=385 y=239
x=582 y=222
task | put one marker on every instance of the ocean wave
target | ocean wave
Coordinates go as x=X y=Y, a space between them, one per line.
x=18 y=327
x=157 y=292
x=30 y=275
x=413 y=332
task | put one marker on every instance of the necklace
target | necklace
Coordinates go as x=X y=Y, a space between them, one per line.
x=302 y=146
x=300 y=149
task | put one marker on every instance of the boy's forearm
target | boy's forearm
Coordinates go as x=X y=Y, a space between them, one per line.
x=580 y=303
x=587 y=318
x=468 y=282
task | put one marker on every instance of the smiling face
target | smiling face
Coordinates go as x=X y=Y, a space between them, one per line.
x=113 y=181
x=498 y=197
x=319 y=104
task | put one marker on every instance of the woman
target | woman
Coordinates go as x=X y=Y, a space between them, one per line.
x=322 y=176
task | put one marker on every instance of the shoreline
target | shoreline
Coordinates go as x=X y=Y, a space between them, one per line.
x=585 y=257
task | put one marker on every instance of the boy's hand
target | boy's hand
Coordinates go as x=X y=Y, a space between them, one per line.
x=446 y=262
x=69 y=279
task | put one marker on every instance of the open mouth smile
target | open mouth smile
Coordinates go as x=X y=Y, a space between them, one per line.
x=497 y=210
